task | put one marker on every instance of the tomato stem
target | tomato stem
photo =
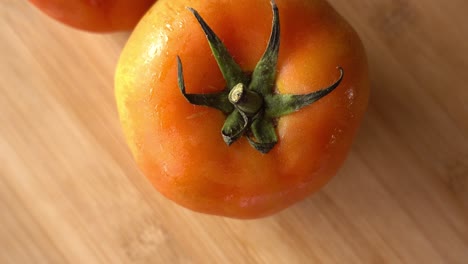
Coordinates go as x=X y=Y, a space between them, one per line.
x=245 y=100
x=249 y=100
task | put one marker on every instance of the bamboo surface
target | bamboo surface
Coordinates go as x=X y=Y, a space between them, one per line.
x=70 y=191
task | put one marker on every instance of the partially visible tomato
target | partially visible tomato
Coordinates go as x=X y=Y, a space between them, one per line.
x=181 y=147
x=96 y=15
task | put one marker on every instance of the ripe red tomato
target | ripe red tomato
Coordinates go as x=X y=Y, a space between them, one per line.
x=96 y=15
x=241 y=130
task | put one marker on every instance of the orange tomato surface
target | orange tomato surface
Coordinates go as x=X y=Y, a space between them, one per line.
x=96 y=15
x=178 y=146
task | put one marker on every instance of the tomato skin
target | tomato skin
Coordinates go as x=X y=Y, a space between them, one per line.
x=96 y=15
x=178 y=146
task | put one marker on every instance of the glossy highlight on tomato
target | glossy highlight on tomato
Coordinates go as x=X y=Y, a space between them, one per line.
x=179 y=146
x=96 y=15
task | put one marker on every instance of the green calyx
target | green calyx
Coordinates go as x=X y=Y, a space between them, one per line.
x=249 y=100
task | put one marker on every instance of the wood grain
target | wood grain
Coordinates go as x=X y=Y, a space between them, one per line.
x=70 y=192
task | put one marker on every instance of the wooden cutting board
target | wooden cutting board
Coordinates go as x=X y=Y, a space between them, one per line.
x=70 y=192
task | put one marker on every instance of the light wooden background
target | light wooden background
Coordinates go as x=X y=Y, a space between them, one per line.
x=70 y=192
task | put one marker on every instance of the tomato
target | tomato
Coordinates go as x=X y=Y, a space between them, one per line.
x=215 y=101
x=96 y=15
